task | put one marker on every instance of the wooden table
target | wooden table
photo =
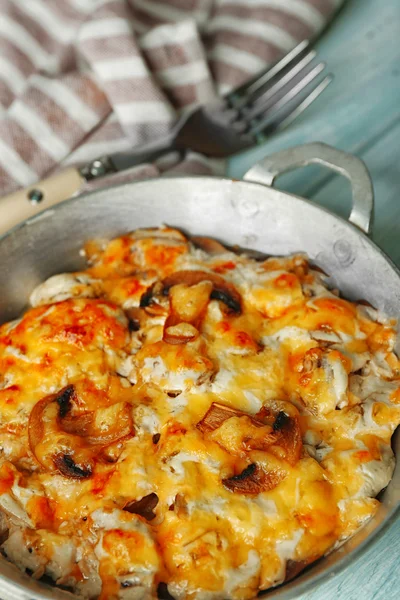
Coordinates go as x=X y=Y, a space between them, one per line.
x=359 y=113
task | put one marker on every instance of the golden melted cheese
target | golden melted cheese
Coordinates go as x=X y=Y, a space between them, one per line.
x=190 y=417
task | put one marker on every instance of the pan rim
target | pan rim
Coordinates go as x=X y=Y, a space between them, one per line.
x=296 y=587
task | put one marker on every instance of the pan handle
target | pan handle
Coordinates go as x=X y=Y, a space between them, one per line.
x=345 y=164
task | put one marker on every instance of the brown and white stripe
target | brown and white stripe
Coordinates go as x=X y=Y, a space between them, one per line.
x=80 y=78
x=177 y=59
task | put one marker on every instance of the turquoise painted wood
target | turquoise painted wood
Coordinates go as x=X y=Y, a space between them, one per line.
x=359 y=113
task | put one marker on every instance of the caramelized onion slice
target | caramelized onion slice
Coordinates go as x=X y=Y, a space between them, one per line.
x=143 y=507
x=253 y=480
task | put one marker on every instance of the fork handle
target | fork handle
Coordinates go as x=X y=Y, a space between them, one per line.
x=26 y=203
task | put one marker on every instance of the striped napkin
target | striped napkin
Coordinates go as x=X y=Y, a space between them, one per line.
x=82 y=78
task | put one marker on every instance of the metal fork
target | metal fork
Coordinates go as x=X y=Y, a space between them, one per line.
x=241 y=119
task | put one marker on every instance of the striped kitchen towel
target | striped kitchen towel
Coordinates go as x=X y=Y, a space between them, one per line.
x=81 y=78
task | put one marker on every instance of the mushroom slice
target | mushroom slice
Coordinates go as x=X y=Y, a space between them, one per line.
x=294 y=567
x=288 y=440
x=216 y=415
x=102 y=427
x=143 y=507
x=67 y=442
x=188 y=307
x=281 y=421
x=189 y=303
x=163 y=593
x=312 y=360
x=69 y=467
x=64 y=400
x=136 y=319
x=253 y=480
x=221 y=289
x=153 y=302
x=180 y=334
x=277 y=432
x=54 y=450
x=209 y=245
x=164 y=232
x=48 y=408
x=235 y=431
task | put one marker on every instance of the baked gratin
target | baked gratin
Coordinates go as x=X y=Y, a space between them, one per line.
x=182 y=419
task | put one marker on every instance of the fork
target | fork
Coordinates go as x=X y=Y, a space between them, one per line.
x=241 y=119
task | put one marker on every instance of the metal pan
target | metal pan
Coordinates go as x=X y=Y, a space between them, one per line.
x=248 y=213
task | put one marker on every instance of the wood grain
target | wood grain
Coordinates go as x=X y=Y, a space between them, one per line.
x=359 y=113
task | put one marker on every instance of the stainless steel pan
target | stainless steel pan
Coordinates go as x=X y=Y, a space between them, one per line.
x=248 y=213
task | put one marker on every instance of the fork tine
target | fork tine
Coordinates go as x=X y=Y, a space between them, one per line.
x=296 y=110
x=263 y=110
x=237 y=97
x=253 y=102
x=284 y=117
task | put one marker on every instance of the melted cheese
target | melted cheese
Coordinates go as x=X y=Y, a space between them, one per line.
x=292 y=347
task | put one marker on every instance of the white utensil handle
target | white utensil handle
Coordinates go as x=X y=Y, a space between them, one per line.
x=26 y=203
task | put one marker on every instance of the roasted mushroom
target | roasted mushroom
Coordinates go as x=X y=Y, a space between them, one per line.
x=182 y=333
x=189 y=293
x=275 y=436
x=216 y=415
x=209 y=245
x=221 y=289
x=64 y=439
x=276 y=429
x=143 y=507
x=294 y=567
x=253 y=480
x=66 y=465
